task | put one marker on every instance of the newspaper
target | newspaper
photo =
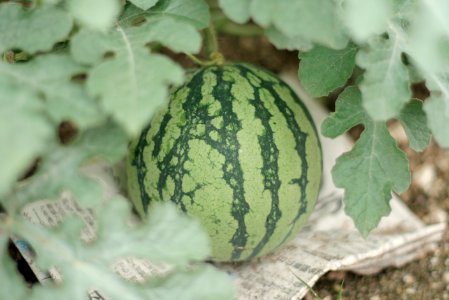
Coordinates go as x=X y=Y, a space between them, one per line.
x=328 y=242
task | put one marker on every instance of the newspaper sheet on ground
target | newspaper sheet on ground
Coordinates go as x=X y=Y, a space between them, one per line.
x=329 y=242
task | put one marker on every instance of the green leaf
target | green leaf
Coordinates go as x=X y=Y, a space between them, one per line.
x=427 y=47
x=60 y=168
x=386 y=84
x=32 y=30
x=195 y=12
x=365 y=19
x=192 y=12
x=424 y=44
x=312 y=20
x=132 y=89
x=134 y=83
x=236 y=10
x=182 y=246
x=144 y=4
x=24 y=131
x=414 y=121
x=107 y=141
x=174 y=34
x=427 y=38
x=292 y=24
x=347 y=115
x=202 y=283
x=437 y=110
x=49 y=78
x=437 y=10
x=97 y=15
x=89 y=47
x=282 y=41
x=372 y=169
x=168 y=238
x=322 y=70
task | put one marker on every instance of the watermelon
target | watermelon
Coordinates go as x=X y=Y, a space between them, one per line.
x=237 y=150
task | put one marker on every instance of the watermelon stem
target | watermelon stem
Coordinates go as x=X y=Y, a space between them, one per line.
x=205 y=63
x=247 y=30
x=214 y=56
x=211 y=45
x=210 y=40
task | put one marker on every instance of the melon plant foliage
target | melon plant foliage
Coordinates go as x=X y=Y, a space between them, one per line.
x=97 y=65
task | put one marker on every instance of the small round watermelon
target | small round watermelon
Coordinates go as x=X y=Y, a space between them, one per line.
x=237 y=150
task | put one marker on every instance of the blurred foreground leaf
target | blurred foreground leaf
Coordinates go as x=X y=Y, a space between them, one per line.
x=97 y=15
x=168 y=238
x=32 y=30
x=131 y=82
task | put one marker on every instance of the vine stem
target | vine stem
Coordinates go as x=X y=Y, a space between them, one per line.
x=200 y=62
x=214 y=57
x=210 y=40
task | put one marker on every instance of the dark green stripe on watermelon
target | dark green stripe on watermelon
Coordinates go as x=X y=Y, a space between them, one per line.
x=181 y=147
x=140 y=165
x=244 y=125
x=300 y=141
x=270 y=155
x=229 y=148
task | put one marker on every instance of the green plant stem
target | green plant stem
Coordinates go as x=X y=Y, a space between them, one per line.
x=205 y=63
x=248 y=30
x=21 y=56
x=198 y=61
x=210 y=40
x=214 y=57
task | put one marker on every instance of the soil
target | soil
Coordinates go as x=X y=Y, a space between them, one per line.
x=428 y=197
